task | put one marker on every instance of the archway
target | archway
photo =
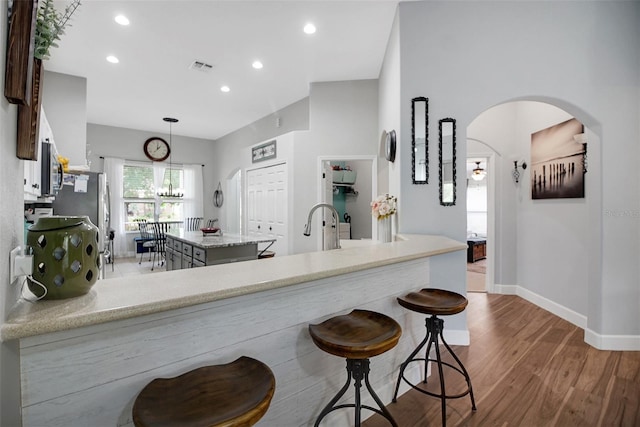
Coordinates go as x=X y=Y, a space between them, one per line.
x=547 y=251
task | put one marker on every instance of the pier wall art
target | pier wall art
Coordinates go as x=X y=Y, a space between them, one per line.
x=558 y=161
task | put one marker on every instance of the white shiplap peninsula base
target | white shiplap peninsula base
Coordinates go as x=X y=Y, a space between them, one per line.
x=83 y=361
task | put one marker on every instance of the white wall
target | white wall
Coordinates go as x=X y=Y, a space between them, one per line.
x=582 y=56
x=11 y=236
x=230 y=152
x=64 y=99
x=389 y=118
x=553 y=243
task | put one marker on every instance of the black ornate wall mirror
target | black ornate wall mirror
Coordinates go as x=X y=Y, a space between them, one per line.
x=420 y=140
x=447 y=157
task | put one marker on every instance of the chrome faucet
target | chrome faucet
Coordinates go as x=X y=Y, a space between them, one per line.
x=336 y=222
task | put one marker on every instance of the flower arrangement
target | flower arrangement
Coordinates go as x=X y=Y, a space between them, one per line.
x=384 y=206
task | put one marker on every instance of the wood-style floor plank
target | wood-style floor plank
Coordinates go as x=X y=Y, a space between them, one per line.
x=528 y=367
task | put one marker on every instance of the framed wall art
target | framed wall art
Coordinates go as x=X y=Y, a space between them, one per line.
x=558 y=155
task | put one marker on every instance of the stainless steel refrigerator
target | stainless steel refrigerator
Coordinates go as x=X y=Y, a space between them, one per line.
x=87 y=193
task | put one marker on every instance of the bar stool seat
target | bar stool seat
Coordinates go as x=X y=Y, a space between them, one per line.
x=435 y=302
x=356 y=336
x=236 y=394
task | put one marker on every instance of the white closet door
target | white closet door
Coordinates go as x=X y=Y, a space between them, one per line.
x=267 y=205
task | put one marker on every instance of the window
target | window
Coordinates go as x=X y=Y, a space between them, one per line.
x=141 y=185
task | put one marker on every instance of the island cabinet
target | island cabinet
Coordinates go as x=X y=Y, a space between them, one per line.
x=194 y=249
x=82 y=361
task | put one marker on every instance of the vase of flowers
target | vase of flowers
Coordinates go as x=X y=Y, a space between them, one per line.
x=382 y=208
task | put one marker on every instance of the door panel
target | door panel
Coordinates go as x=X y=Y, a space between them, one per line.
x=267 y=205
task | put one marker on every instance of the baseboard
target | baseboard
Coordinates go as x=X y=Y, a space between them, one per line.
x=612 y=342
x=553 y=307
x=601 y=342
x=505 y=289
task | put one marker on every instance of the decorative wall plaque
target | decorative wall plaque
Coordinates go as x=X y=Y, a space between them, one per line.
x=263 y=152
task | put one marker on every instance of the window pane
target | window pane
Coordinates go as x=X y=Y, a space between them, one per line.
x=137 y=210
x=176 y=176
x=171 y=211
x=138 y=182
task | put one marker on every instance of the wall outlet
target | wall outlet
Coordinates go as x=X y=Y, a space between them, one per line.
x=20 y=264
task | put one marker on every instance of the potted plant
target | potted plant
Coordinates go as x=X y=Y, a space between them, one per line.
x=50 y=25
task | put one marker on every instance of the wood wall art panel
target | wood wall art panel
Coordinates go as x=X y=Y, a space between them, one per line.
x=20 y=46
x=28 y=118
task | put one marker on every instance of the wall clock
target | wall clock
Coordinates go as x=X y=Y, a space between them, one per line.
x=390 y=145
x=156 y=149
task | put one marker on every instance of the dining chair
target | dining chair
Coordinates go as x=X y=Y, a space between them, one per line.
x=146 y=237
x=160 y=238
x=192 y=224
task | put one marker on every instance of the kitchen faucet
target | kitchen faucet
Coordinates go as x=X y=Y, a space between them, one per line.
x=336 y=222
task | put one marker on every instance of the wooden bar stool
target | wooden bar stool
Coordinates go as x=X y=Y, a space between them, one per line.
x=356 y=336
x=235 y=394
x=435 y=302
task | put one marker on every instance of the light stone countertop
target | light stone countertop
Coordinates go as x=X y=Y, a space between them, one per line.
x=198 y=238
x=134 y=296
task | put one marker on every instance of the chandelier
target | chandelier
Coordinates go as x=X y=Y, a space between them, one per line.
x=169 y=193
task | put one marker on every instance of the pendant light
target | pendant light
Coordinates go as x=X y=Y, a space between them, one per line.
x=170 y=193
x=478 y=173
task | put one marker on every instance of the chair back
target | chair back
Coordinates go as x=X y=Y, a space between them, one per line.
x=192 y=224
x=146 y=230
x=160 y=235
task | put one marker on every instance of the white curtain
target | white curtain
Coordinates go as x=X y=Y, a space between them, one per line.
x=158 y=178
x=114 y=169
x=193 y=191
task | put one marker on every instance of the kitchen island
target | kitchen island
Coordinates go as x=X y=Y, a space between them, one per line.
x=82 y=361
x=186 y=249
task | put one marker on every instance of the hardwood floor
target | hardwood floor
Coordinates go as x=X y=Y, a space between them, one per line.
x=528 y=367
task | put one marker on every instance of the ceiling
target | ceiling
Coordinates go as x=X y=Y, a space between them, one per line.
x=153 y=79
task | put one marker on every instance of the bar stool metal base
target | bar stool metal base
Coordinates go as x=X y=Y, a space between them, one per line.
x=359 y=370
x=435 y=327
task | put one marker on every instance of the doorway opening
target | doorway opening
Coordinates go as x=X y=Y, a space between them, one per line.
x=349 y=183
x=477 y=222
x=231 y=202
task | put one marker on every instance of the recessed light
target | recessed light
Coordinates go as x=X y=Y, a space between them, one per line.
x=225 y=89
x=257 y=65
x=309 y=28
x=112 y=59
x=122 y=20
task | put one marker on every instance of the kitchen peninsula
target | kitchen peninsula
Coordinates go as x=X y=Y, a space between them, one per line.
x=84 y=360
x=186 y=249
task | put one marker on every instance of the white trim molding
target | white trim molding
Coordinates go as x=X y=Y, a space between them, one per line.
x=601 y=342
x=612 y=342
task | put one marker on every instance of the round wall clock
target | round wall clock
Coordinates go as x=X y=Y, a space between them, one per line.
x=390 y=146
x=156 y=149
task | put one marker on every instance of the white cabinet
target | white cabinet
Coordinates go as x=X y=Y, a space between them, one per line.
x=32 y=176
x=33 y=168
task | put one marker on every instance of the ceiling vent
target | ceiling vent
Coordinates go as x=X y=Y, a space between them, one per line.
x=201 y=66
